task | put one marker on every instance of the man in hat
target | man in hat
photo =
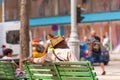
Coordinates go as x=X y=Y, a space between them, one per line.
x=61 y=52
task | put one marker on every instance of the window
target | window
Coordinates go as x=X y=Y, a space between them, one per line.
x=12 y=37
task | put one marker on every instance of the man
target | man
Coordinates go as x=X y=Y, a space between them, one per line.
x=61 y=52
x=94 y=37
x=95 y=44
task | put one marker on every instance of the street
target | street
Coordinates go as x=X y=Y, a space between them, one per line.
x=112 y=71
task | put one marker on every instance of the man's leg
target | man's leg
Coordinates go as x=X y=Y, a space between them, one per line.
x=102 y=65
x=103 y=68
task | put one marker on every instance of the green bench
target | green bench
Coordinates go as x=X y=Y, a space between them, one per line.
x=7 y=70
x=75 y=71
x=60 y=71
x=43 y=71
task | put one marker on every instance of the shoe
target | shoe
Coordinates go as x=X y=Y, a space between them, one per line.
x=103 y=73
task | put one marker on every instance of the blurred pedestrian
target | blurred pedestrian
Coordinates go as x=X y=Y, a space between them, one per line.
x=37 y=49
x=86 y=40
x=48 y=43
x=105 y=42
x=41 y=42
x=95 y=48
x=94 y=37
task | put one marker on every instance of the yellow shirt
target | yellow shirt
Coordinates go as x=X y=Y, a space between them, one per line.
x=38 y=54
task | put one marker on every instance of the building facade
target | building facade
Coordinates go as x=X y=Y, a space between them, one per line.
x=47 y=8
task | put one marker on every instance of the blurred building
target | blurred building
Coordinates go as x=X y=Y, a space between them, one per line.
x=0 y=10
x=47 y=8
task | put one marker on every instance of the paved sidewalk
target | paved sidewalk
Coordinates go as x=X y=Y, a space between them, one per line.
x=112 y=71
x=115 y=56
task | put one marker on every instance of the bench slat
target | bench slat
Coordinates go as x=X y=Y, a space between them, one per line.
x=60 y=71
x=77 y=78
x=85 y=69
x=7 y=70
x=75 y=70
x=75 y=73
x=40 y=71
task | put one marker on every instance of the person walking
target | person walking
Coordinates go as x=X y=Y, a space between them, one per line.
x=95 y=48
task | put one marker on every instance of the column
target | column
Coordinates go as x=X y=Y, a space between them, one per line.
x=73 y=40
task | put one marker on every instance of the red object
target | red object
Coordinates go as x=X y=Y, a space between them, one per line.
x=35 y=40
x=3 y=46
x=86 y=52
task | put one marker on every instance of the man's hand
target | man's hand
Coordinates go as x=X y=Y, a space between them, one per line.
x=27 y=59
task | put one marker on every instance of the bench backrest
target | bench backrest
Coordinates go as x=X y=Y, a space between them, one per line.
x=60 y=71
x=7 y=70
x=44 y=71
x=75 y=71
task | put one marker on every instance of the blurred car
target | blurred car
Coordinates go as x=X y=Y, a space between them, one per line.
x=84 y=52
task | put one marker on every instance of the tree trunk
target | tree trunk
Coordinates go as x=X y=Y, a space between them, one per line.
x=24 y=29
